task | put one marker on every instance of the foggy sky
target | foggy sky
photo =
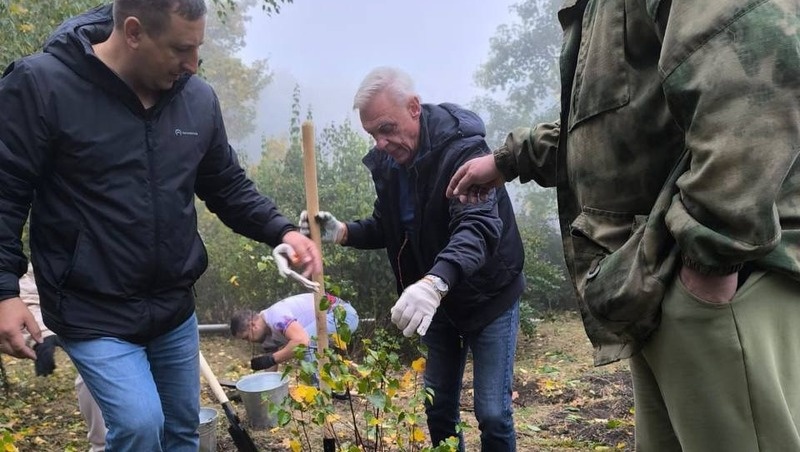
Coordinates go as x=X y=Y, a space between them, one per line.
x=329 y=46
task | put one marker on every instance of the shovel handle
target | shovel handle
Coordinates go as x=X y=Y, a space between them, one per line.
x=208 y=374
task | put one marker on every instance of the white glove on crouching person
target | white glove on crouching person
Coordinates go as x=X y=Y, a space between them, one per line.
x=332 y=230
x=417 y=304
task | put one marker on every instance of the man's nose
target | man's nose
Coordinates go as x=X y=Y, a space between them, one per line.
x=192 y=63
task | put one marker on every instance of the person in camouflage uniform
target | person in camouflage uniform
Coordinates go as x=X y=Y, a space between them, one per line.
x=693 y=274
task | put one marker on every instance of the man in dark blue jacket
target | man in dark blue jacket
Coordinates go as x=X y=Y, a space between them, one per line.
x=105 y=138
x=465 y=257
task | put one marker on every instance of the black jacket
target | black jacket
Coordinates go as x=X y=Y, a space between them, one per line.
x=475 y=248
x=111 y=188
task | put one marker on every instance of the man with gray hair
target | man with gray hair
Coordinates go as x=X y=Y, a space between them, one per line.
x=458 y=266
x=105 y=138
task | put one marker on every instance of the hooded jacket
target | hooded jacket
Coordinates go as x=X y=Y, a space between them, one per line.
x=475 y=248
x=111 y=189
x=643 y=80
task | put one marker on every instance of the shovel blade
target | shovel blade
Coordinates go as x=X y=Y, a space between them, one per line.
x=239 y=435
x=241 y=439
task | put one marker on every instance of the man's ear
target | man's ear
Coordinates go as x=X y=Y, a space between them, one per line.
x=134 y=32
x=414 y=106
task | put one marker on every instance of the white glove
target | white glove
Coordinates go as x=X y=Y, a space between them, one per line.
x=280 y=254
x=415 y=308
x=332 y=230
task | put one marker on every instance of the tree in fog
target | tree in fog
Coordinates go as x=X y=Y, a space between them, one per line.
x=521 y=72
x=520 y=77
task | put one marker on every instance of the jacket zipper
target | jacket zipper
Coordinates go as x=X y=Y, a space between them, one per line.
x=399 y=266
x=152 y=172
x=417 y=237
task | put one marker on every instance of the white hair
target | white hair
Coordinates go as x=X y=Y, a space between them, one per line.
x=397 y=82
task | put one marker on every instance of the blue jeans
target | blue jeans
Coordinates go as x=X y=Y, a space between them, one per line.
x=493 y=350
x=149 y=393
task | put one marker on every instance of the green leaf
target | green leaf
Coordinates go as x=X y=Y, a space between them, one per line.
x=377 y=400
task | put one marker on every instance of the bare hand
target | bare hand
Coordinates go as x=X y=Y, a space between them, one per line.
x=476 y=178
x=307 y=257
x=714 y=289
x=14 y=319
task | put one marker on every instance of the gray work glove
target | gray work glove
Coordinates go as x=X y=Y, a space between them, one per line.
x=332 y=230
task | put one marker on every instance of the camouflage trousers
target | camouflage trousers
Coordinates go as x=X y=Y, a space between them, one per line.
x=722 y=377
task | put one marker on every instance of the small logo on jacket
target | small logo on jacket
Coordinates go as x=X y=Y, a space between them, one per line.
x=181 y=133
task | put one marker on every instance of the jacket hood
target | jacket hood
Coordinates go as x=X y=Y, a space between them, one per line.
x=72 y=41
x=445 y=122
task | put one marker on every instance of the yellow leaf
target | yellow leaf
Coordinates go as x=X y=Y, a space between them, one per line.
x=303 y=393
x=11 y=448
x=418 y=365
x=406 y=380
x=26 y=28
x=295 y=445
x=234 y=280
x=417 y=435
x=338 y=342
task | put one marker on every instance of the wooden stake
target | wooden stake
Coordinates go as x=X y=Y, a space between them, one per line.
x=312 y=208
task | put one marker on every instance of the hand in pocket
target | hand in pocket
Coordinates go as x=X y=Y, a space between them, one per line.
x=710 y=288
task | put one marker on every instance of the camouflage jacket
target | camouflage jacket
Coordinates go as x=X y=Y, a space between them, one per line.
x=642 y=80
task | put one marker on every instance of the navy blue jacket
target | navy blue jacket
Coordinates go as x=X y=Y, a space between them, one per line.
x=476 y=248
x=111 y=189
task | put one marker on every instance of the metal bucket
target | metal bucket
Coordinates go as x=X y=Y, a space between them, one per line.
x=256 y=391
x=208 y=429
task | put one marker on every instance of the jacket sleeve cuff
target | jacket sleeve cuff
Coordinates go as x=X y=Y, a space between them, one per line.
x=709 y=270
x=354 y=232
x=282 y=227
x=450 y=273
x=9 y=286
x=506 y=162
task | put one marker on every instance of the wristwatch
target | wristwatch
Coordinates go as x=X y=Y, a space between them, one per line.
x=439 y=285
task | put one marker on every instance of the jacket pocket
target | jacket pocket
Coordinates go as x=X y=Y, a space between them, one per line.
x=596 y=233
x=622 y=262
x=55 y=246
x=95 y=267
x=601 y=74
x=196 y=260
x=604 y=229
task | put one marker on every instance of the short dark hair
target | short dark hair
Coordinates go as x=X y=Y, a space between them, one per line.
x=154 y=14
x=240 y=321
